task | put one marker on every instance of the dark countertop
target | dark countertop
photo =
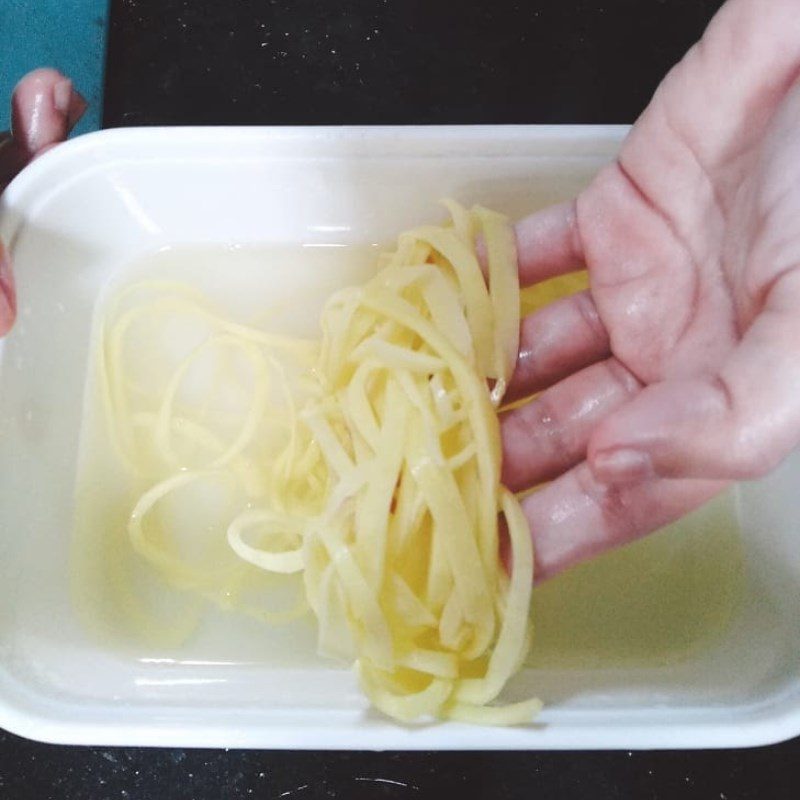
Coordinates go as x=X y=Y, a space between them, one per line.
x=391 y=61
x=45 y=772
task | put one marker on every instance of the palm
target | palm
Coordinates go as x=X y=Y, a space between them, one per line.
x=682 y=361
x=677 y=276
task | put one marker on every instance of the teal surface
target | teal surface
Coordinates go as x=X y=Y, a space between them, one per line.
x=67 y=34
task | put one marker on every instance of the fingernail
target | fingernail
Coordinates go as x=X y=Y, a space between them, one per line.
x=62 y=96
x=622 y=466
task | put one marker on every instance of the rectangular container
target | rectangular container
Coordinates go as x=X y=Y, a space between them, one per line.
x=78 y=216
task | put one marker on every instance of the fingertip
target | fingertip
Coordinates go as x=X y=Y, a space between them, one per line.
x=62 y=95
x=672 y=429
x=41 y=75
x=44 y=108
x=619 y=450
x=69 y=102
x=549 y=243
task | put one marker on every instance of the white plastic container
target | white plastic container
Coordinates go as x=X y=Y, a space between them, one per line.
x=75 y=218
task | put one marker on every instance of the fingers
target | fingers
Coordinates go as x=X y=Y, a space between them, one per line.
x=576 y=518
x=8 y=302
x=44 y=109
x=549 y=435
x=556 y=341
x=12 y=159
x=737 y=424
x=548 y=244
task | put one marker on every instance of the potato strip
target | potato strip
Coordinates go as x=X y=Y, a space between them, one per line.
x=367 y=464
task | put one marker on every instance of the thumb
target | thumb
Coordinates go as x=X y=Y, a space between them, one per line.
x=736 y=424
x=44 y=109
x=8 y=303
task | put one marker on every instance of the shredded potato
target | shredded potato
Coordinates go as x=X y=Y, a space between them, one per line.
x=368 y=463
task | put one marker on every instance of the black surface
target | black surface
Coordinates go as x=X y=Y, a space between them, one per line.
x=392 y=61
x=395 y=61
x=43 y=772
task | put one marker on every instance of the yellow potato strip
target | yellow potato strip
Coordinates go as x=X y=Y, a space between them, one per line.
x=368 y=465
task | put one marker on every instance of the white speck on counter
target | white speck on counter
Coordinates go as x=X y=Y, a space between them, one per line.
x=293 y=791
x=389 y=781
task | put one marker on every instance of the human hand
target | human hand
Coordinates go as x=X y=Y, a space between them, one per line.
x=44 y=109
x=679 y=369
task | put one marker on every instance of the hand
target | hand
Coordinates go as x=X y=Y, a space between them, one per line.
x=679 y=370
x=44 y=109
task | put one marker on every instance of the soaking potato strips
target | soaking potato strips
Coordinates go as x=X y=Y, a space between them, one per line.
x=367 y=463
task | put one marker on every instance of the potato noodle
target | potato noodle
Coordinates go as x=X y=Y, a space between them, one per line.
x=367 y=462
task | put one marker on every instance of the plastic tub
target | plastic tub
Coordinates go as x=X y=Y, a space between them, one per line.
x=74 y=220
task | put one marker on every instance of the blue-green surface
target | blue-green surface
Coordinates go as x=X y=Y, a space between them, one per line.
x=67 y=34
